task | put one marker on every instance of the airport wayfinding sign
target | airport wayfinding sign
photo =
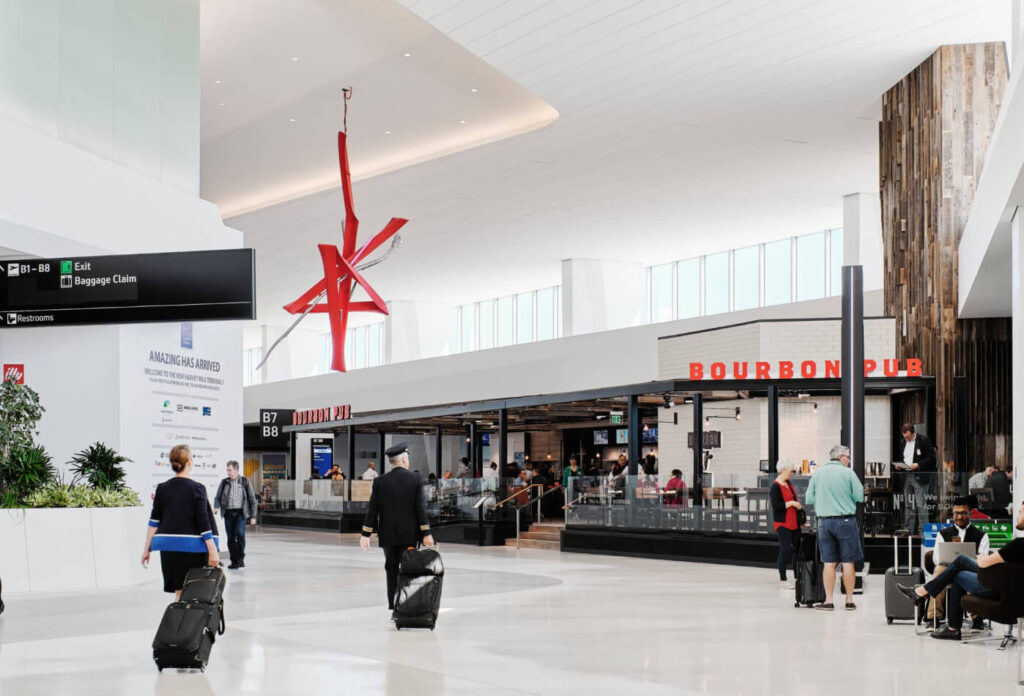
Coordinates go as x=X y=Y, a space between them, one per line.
x=130 y=288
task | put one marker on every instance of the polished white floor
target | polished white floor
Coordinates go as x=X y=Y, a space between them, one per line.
x=308 y=616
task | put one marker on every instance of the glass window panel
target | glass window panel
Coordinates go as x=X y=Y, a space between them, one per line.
x=661 y=293
x=778 y=275
x=468 y=327
x=323 y=365
x=688 y=289
x=524 y=317
x=746 y=278
x=487 y=324
x=810 y=266
x=836 y=262
x=350 y=347
x=558 y=313
x=360 y=347
x=453 y=338
x=545 y=314
x=374 y=339
x=716 y=283
x=506 y=322
x=646 y=317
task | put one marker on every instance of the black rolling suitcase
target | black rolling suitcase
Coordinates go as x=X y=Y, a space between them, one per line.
x=190 y=626
x=810 y=589
x=897 y=605
x=418 y=598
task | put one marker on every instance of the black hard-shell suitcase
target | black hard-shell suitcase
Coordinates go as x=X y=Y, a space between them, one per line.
x=897 y=605
x=418 y=598
x=809 y=586
x=186 y=635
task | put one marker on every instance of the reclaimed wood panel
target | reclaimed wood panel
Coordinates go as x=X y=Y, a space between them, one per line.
x=935 y=128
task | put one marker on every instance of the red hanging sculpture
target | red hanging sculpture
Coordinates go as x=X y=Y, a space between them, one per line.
x=340 y=273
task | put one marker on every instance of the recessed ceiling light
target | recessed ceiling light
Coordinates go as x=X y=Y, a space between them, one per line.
x=461 y=121
x=387 y=132
x=295 y=59
x=407 y=55
x=216 y=82
x=221 y=104
x=474 y=90
x=292 y=120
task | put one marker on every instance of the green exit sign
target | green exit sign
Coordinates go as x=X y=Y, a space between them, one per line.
x=615 y=419
x=66 y=267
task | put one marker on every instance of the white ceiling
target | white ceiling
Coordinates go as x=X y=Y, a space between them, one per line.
x=684 y=127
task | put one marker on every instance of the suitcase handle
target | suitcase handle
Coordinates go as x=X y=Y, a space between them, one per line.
x=896 y=553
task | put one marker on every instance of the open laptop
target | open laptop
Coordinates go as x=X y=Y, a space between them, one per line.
x=947 y=551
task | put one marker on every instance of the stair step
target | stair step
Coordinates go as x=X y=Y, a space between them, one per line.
x=534 y=544
x=541 y=536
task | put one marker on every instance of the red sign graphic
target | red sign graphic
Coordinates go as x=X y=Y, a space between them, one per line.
x=808 y=369
x=321 y=415
x=340 y=275
x=14 y=373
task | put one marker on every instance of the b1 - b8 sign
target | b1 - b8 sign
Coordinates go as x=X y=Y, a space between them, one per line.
x=272 y=422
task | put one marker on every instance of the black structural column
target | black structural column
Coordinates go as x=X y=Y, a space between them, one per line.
x=635 y=434
x=339 y=446
x=853 y=366
x=698 y=450
x=437 y=452
x=472 y=449
x=502 y=440
x=351 y=452
x=381 y=446
x=773 y=428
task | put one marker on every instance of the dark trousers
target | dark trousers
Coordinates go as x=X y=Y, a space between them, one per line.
x=234 y=527
x=788 y=539
x=961 y=577
x=392 y=557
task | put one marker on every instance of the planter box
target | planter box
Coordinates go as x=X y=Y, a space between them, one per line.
x=65 y=549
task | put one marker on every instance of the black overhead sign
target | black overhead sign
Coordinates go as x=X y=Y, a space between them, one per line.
x=178 y=286
x=272 y=422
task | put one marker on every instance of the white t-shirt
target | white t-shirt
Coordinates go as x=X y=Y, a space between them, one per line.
x=490 y=473
x=369 y=475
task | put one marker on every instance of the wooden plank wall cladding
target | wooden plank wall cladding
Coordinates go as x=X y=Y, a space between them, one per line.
x=936 y=125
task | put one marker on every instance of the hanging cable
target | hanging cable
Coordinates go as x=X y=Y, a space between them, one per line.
x=347 y=94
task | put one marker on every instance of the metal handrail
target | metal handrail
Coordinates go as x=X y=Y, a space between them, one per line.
x=542 y=495
x=519 y=508
x=518 y=493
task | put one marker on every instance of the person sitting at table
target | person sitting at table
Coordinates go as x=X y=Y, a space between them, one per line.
x=961 y=530
x=678 y=485
x=333 y=472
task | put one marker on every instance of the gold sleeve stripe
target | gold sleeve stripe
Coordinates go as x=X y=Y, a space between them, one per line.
x=368 y=530
x=424 y=527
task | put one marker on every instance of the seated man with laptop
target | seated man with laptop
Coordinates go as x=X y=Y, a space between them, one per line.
x=962 y=576
x=962 y=538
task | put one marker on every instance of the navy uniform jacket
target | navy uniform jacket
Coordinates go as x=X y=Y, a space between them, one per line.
x=398 y=509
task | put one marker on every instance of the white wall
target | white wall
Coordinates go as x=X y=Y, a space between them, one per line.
x=119 y=78
x=600 y=295
x=591 y=361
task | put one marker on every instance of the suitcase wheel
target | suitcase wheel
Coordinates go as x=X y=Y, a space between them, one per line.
x=796 y=604
x=888 y=620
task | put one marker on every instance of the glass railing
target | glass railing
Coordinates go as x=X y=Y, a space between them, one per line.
x=317 y=495
x=464 y=500
x=742 y=504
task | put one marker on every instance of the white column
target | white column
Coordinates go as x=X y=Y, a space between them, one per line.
x=862 y=236
x=1017 y=292
x=416 y=330
x=600 y=295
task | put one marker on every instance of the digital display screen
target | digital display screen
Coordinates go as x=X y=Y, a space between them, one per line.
x=600 y=437
x=622 y=436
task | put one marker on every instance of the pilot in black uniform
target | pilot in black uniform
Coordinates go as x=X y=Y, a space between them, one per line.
x=398 y=513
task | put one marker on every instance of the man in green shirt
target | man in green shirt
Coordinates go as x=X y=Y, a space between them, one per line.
x=834 y=492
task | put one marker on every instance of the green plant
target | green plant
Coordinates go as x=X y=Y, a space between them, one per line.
x=59 y=495
x=100 y=466
x=20 y=411
x=26 y=469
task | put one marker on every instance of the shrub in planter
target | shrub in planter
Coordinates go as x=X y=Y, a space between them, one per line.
x=24 y=470
x=100 y=466
x=59 y=495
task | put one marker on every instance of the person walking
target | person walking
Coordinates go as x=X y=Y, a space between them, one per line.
x=785 y=507
x=397 y=511
x=181 y=525
x=236 y=501
x=834 y=492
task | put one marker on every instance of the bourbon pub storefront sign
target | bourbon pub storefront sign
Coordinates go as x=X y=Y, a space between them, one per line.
x=807 y=369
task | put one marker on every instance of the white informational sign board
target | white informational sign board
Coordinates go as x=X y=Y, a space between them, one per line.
x=180 y=384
